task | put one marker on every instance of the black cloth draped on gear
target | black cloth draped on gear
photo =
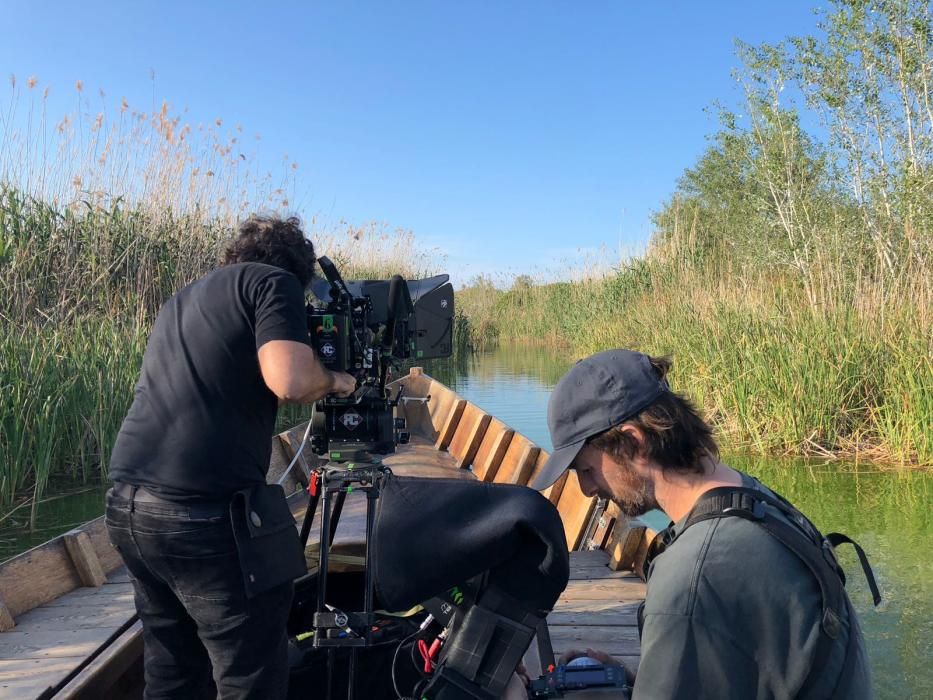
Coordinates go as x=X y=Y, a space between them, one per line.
x=432 y=534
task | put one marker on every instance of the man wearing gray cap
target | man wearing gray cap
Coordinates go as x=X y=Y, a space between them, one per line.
x=745 y=598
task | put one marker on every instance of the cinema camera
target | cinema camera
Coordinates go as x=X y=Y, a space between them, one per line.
x=363 y=328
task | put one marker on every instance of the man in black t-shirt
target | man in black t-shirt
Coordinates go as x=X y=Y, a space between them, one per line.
x=223 y=352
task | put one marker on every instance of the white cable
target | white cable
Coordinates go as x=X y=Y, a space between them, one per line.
x=288 y=469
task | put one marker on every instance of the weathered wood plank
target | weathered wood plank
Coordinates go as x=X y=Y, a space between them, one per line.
x=601 y=572
x=107 y=554
x=525 y=464
x=595 y=635
x=28 y=677
x=469 y=435
x=446 y=433
x=119 y=577
x=518 y=461
x=602 y=532
x=492 y=449
x=84 y=558
x=626 y=617
x=98 y=678
x=575 y=509
x=441 y=404
x=538 y=466
x=122 y=596
x=17 y=644
x=619 y=591
x=555 y=490
x=588 y=558
x=61 y=618
x=6 y=618
x=37 y=576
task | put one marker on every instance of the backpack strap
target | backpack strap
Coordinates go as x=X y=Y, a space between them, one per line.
x=802 y=538
x=836 y=539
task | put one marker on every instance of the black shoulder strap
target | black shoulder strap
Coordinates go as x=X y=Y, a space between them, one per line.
x=836 y=539
x=805 y=541
x=749 y=503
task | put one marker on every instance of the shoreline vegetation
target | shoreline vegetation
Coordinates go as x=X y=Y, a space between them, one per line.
x=789 y=275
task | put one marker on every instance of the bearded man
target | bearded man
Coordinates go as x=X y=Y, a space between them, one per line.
x=746 y=600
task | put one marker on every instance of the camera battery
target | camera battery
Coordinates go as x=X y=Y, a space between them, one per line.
x=330 y=338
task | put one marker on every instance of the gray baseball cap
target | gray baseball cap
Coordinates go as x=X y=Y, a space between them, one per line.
x=598 y=392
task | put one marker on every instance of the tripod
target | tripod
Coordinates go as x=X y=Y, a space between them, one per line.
x=329 y=485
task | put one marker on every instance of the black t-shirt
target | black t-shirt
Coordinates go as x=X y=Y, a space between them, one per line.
x=201 y=422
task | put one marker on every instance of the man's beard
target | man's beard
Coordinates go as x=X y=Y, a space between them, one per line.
x=635 y=495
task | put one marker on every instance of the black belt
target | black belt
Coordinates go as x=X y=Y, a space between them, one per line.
x=196 y=509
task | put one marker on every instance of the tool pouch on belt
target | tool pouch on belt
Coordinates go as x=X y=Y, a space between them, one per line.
x=266 y=538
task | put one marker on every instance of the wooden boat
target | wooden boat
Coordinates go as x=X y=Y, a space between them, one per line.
x=67 y=618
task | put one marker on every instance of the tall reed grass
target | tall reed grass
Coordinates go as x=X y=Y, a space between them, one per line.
x=776 y=372
x=104 y=215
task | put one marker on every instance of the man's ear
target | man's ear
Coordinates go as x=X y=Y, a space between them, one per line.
x=634 y=432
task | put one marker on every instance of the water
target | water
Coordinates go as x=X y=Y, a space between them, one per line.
x=58 y=513
x=887 y=512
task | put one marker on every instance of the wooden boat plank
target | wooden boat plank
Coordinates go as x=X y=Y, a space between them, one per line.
x=92 y=596
x=589 y=605
x=443 y=401
x=451 y=423
x=41 y=644
x=622 y=591
x=101 y=676
x=596 y=635
x=518 y=461
x=590 y=573
x=626 y=617
x=575 y=509
x=27 y=678
x=492 y=449
x=65 y=618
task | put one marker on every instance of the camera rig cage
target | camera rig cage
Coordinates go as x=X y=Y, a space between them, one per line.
x=364 y=328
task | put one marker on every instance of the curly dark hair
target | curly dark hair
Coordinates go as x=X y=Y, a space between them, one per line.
x=273 y=241
x=675 y=435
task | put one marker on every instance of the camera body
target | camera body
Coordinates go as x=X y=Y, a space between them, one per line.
x=364 y=328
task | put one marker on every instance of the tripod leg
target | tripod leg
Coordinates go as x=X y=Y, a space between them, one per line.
x=323 y=548
x=371 y=497
x=313 y=498
x=335 y=517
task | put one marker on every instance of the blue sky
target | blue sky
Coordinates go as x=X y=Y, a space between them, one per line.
x=517 y=136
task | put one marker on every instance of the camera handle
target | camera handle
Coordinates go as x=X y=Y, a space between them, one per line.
x=329 y=487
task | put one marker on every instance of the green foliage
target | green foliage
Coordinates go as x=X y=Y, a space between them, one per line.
x=79 y=289
x=791 y=278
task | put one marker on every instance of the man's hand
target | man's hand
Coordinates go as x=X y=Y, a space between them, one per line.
x=601 y=656
x=294 y=373
x=344 y=384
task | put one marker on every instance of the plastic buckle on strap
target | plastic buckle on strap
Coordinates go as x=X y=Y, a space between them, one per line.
x=756 y=512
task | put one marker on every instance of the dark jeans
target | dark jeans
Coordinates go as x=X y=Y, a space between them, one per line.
x=200 y=631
